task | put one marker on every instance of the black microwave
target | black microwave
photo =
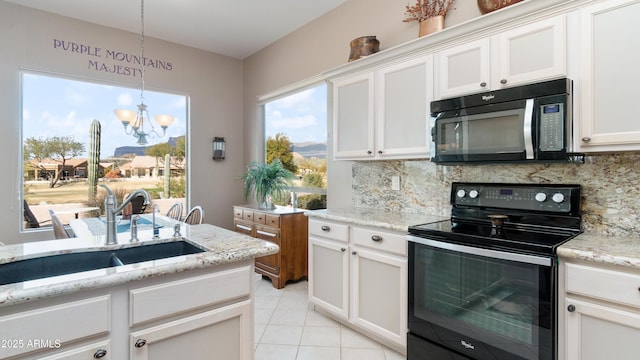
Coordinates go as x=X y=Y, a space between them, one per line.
x=530 y=123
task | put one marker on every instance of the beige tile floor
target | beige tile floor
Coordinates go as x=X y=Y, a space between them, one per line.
x=287 y=328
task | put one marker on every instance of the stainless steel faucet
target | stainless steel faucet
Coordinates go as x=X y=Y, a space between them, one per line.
x=111 y=209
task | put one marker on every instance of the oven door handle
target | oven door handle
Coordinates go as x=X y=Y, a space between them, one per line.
x=503 y=255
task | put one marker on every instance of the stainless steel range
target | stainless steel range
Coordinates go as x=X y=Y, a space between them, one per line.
x=483 y=285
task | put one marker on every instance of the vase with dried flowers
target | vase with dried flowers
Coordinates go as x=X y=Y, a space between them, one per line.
x=429 y=13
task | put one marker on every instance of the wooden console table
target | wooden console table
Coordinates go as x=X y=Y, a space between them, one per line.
x=286 y=227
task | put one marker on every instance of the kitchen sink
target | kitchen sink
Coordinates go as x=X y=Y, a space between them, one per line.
x=62 y=264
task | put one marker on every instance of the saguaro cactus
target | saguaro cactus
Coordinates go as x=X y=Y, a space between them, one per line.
x=93 y=162
x=167 y=175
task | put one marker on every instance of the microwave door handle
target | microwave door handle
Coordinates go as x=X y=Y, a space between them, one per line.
x=527 y=130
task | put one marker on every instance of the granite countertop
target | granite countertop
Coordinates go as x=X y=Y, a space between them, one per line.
x=397 y=221
x=597 y=248
x=603 y=249
x=222 y=247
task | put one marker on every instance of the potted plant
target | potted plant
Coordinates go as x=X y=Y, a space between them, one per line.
x=429 y=13
x=266 y=181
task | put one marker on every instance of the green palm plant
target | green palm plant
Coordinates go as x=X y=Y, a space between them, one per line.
x=266 y=180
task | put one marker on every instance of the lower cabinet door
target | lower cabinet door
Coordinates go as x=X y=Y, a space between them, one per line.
x=224 y=333
x=329 y=276
x=596 y=332
x=379 y=294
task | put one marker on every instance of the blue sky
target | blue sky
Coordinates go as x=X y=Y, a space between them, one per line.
x=62 y=107
x=302 y=116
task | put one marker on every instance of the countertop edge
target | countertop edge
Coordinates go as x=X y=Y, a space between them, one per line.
x=395 y=221
x=223 y=247
x=602 y=249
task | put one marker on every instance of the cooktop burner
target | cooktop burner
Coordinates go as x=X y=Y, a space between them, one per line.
x=527 y=218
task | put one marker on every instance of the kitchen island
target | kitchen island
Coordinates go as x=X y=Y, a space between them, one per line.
x=188 y=306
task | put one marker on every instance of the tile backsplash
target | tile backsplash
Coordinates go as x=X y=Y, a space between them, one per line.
x=610 y=186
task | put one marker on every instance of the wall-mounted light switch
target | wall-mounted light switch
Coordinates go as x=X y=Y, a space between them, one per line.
x=395 y=182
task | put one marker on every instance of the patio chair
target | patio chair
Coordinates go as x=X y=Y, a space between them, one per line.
x=59 y=230
x=175 y=211
x=32 y=221
x=195 y=216
x=137 y=204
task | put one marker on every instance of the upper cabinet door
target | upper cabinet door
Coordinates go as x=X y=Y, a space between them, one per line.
x=353 y=117
x=403 y=94
x=463 y=69
x=526 y=54
x=609 y=77
x=530 y=53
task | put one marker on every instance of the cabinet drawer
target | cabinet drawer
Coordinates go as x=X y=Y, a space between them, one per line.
x=610 y=285
x=329 y=230
x=55 y=325
x=267 y=233
x=247 y=215
x=273 y=220
x=259 y=217
x=380 y=240
x=243 y=227
x=237 y=213
x=162 y=300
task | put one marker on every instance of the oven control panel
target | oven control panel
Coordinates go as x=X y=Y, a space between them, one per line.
x=543 y=197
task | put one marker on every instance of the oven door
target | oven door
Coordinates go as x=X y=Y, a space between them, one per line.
x=496 y=132
x=481 y=303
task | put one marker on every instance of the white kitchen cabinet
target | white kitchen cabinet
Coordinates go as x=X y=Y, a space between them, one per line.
x=187 y=315
x=608 y=77
x=215 y=334
x=329 y=276
x=36 y=332
x=601 y=312
x=379 y=281
x=526 y=54
x=359 y=275
x=382 y=114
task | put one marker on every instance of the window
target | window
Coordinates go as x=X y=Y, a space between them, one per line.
x=57 y=114
x=296 y=133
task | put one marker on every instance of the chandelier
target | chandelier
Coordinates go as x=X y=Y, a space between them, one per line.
x=138 y=119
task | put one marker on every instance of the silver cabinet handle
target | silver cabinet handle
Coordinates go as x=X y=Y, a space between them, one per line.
x=100 y=353
x=343 y=249
x=571 y=308
x=503 y=81
x=376 y=238
x=354 y=253
x=325 y=228
x=369 y=152
x=140 y=343
x=379 y=151
x=243 y=227
x=586 y=139
x=266 y=233
x=483 y=84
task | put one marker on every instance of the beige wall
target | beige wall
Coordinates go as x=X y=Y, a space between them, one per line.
x=213 y=83
x=322 y=45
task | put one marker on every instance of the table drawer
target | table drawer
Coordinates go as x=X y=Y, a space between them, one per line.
x=237 y=213
x=610 y=285
x=380 y=240
x=273 y=220
x=259 y=217
x=247 y=215
x=328 y=229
